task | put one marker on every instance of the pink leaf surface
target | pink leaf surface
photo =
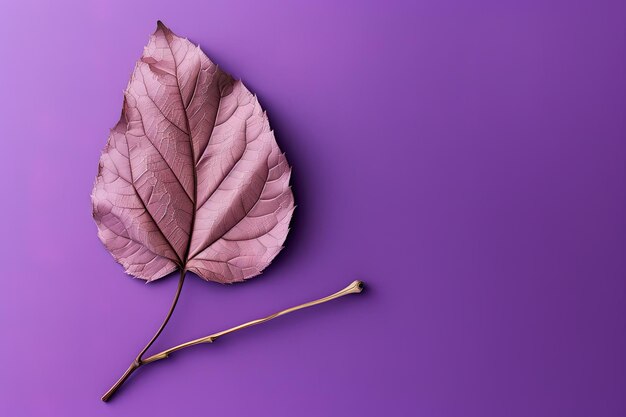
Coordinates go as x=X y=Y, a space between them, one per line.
x=191 y=176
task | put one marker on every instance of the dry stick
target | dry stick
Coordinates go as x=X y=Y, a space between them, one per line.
x=354 y=288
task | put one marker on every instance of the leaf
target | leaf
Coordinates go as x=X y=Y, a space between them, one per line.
x=191 y=177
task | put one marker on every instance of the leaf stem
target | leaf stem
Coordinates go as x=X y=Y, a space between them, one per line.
x=138 y=362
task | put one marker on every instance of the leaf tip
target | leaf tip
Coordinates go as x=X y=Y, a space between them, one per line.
x=161 y=26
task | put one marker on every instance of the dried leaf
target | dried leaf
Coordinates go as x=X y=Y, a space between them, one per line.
x=191 y=176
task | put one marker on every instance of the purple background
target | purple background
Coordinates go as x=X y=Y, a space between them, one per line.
x=465 y=159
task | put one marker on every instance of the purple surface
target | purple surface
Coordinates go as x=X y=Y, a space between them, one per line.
x=466 y=160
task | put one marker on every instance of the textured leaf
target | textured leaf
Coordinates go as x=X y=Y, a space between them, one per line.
x=191 y=176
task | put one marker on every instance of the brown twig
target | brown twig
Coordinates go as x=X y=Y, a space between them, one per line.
x=354 y=288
